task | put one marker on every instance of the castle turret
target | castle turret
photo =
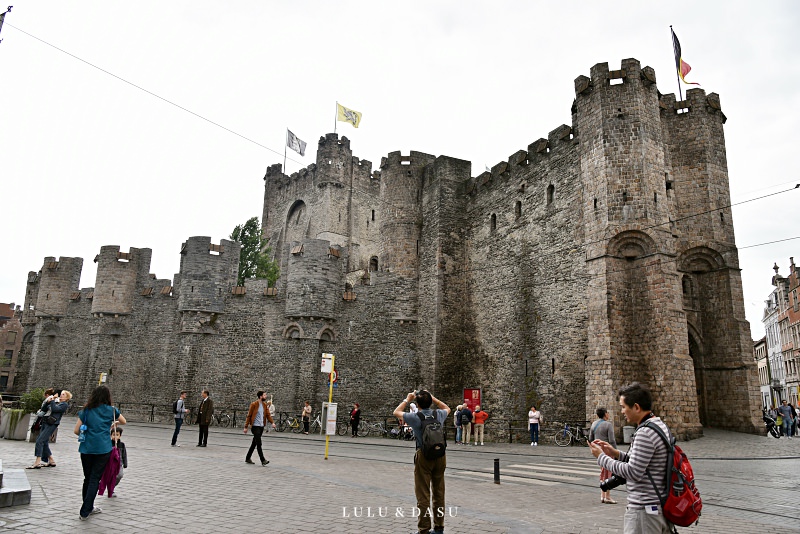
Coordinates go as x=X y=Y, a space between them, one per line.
x=401 y=183
x=708 y=262
x=118 y=276
x=314 y=280
x=207 y=274
x=56 y=281
x=636 y=328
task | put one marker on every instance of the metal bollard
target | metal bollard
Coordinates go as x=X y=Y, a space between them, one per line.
x=497 y=470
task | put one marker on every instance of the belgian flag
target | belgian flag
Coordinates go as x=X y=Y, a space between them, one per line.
x=680 y=64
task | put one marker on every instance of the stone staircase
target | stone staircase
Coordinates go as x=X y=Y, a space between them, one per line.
x=14 y=487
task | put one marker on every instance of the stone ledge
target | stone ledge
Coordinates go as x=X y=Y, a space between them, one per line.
x=16 y=489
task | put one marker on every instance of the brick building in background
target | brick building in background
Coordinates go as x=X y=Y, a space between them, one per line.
x=782 y=324
x=601 y=254
x=10 y=344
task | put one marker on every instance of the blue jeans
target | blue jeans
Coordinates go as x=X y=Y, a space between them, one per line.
x=458 y=434
x=93 y=467
x=42 y=447
x=787 y=427
x=178 y=423
x=534 y=432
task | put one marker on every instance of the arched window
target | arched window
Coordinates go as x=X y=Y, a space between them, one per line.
x=551 y=193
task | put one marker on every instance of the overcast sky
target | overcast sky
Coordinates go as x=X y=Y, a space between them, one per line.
x=88 y=160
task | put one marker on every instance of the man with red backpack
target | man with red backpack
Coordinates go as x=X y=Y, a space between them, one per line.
x=647 y=455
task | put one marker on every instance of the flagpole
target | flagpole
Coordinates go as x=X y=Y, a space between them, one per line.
x=284 y=150
x=677 y=65
x=335 y=116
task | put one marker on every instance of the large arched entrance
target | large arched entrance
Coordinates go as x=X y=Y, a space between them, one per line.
x=696 y=352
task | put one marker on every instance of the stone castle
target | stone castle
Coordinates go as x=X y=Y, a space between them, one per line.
x=599 y=255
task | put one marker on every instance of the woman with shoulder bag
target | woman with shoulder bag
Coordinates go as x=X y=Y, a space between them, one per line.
x=55 y=406
x=93 y=429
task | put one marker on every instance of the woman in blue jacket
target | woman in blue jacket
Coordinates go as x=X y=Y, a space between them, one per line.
x=56 y=405
x=93 y=428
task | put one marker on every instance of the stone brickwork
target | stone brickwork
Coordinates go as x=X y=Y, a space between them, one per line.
x=601 y=254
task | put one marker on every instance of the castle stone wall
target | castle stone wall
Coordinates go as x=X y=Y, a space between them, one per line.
x=582 y=262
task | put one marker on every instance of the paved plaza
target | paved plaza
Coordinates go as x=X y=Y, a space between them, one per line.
x=748 y=483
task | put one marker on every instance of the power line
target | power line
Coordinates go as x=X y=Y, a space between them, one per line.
x=151 y=93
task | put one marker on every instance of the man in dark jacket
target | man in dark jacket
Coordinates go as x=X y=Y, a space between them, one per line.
x=204 y=413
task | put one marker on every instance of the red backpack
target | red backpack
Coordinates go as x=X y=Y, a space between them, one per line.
x=682 y=503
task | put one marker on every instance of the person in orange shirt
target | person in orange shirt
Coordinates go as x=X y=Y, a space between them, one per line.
x=479 y=418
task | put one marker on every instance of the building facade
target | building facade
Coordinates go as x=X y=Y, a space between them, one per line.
x=10 y=343
x=601 y=254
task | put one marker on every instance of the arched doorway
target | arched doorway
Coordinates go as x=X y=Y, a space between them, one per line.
x=696 y=353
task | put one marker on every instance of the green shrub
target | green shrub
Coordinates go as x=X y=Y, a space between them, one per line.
x=31 y=401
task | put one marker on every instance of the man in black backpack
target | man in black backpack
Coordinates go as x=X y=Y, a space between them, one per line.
x=428 y=469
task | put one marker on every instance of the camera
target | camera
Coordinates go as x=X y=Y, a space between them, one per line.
x=613 y=482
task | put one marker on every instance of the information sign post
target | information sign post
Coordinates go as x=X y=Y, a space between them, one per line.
x=328 y=366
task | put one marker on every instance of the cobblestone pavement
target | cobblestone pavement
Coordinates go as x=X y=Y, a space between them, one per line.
x=748 y=483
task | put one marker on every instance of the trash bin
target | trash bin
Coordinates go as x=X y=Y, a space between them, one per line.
x=627 y=433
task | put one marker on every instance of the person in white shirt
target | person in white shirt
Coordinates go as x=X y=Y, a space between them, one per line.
x=533 y=423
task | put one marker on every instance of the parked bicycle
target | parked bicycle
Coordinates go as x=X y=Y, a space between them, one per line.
x=294 y=423
x=315 y=425
x=221 y=420
x=568 y=435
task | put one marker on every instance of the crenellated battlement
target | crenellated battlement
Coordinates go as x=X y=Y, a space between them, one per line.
x=696 y=100
x=559 y=141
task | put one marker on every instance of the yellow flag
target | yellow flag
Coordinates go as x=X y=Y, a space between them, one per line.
x=347 y=115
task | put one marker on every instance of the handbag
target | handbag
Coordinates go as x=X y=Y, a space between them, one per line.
x=51 y=420
x=37 y=425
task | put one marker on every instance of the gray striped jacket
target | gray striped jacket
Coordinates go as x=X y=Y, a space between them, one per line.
x=647 y=453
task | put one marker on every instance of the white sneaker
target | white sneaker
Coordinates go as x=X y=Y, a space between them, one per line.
x=96 y=510
x=535 y=444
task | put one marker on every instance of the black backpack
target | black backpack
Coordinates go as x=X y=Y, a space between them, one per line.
x=175 y=407
x=433 y=439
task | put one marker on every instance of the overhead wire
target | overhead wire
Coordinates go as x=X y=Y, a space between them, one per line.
x=151 y=93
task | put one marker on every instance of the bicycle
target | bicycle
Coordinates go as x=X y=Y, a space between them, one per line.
x=567 y=435
x=376 y=428
x=221 y=420
x=294 y=423
x=315 y=425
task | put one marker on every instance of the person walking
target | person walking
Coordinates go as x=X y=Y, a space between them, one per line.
x=204 y=413
x=55 y=405
x=644 y=466
x=355 y=419
x=257 y=416
x=533 y=423
x=428 y=473
x=479 y=421
x=95 y=422
x=306 y=415
x=180 y=414
x=603 y=430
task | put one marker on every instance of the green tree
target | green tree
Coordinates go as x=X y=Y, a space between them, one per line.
x=254 y=260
